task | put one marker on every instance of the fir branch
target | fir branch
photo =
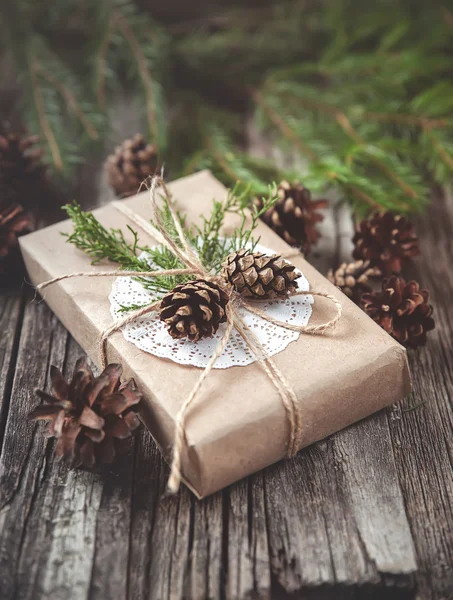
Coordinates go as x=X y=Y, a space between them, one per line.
x=282 y=125
x=222 y=151
x=195 y=162
x=345 y=124
x=143 y=70
x=438 y=147
x=42 y=116
x=364 y=95
x=141 y=49
x=404 y=119
x=50 y=92
x=100 y=61
x=72 y=102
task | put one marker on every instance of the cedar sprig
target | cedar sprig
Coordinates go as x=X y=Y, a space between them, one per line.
x=162 y=257
x=242 y=236
x=110 y=244
x=212 y=247
x=100 y=243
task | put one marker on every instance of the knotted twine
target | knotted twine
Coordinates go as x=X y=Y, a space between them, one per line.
x=187 y=255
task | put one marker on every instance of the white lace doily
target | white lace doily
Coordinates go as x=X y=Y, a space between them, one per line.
x=150 y=334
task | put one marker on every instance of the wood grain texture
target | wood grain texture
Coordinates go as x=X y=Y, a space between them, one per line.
x=367 y=513
x=248 y=566
x=306 y=524
x=11 y=308
x=423 y=438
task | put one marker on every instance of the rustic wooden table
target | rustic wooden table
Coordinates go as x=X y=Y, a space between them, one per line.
x=367 y=513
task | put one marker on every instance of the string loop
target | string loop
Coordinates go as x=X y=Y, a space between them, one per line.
x=189 y=258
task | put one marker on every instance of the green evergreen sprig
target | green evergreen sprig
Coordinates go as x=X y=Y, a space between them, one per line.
x=100 y=243
x=362 y=93
x=212 y=247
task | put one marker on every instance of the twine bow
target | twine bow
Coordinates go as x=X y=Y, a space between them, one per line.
x=187 y=255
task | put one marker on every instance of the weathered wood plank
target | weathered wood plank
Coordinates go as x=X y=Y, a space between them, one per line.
x=183 y=544
x=149 y=473
x=207 y=571
x=249 y=574
x=169 y=568
x=335 y=515
x=110 y=491
x=24 y=460
x=64 y=534
x=329 y=524
x=11 y=308
x=423 y=438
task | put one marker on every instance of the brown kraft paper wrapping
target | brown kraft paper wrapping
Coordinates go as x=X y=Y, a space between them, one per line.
x=237 y=424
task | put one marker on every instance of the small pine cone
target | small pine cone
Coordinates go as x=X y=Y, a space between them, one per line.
x=13 y=222
x=20 y=161
x=386 y=240
x=131 y=163
x=258 y=275
x=88 y=414
x=401 y=309
x=352 y=278
x=194 y=309
x=294 y=216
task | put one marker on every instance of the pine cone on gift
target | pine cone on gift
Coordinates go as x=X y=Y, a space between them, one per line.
x=20 y=161
x=353 y=278
x=257 y=275
x=386 y=240
x=194 y=309
x=294 y=216
x=13 y=222
x=131 y=163
x=401 y=309
x=88 y=414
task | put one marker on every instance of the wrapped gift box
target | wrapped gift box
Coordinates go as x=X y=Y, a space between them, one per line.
x=238 y=424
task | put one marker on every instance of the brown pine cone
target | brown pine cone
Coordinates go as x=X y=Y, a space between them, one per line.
x=13 y=222
x=88 y=414
x=386 y=240
x=294 y=216
x=20 y=161
x=352 y=278
x=131 y=163
x=401 y=309
x=194 y=309
x=258 y=275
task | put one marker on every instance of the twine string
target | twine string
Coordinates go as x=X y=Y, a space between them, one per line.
x=189 y=258
x=129 y=318
x=288 y=397
x=174 y=215
x=145 y=225
x=321 y=328
x=186 y=254
x=174 y=480
x=116 y=273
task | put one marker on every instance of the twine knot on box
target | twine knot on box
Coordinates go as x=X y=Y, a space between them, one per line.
x=199 y=307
